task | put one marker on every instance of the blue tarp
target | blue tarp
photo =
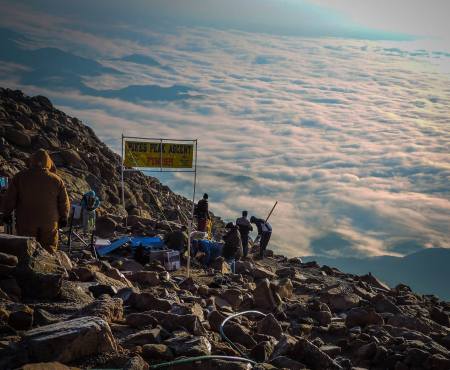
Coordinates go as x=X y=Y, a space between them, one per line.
x=211 y=249
x=134 y=241
x=146 y=242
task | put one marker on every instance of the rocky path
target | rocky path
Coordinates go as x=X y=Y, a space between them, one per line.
x=118 y=314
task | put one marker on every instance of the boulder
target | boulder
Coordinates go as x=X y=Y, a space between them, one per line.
x=38 y=272
x=439 y=316
x=323 y=317
x=284 y=362
x=105 y=227
x=189 y=346
x=26 y=121
x=140 y=320
x=234 y=297
x=384 y=304
x=17 y=137
x=259 y=272
x=161 y=352
x=362 y=317
x=413 y=323
x=98 y=290
x=21 y=318
x=263 y=296
x=312 y=356
x=284 y=346
x=372 y=280
x=170 y=321
x=239 y=334
x=19 y=246
x=142 y=337
x=220 y=265
x=340 y=300
x=188 y=309
x=149 y=278
x=70 y=340
x=136 y=363
x=107 y=308
x=367 y=351
x=331 y=350
x=438 y=362
x=8 y=259
x=11 y=288
x=47 y=366
x=71 y=158
x=64 y=260
x=262 y=351
x=215 y=319
x=148 y=301
x=270 y=326
x=283 y=288
x=243 y=267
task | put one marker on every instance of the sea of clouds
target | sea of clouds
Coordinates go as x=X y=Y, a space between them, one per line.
x=351 y=137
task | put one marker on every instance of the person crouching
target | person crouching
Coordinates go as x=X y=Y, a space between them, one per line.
x=232 y=249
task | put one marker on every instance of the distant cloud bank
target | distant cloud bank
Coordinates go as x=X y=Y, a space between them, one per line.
x=350 y=136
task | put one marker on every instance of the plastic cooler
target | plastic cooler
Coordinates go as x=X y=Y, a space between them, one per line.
x=169 y=258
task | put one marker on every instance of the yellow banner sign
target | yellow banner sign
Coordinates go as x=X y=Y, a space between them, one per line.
x=157 y=155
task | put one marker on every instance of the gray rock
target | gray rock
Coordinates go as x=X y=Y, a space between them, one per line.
x=189 y=346
x=70 y=340
x=269 y=325
x=157 y=352
x=362 y=317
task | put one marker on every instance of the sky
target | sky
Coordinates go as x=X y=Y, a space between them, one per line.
x=339 y=110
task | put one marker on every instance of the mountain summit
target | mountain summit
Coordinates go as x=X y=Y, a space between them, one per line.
x=59 y=310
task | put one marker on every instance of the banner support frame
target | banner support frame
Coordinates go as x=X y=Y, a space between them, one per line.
x=192 y=214
x=123 y=170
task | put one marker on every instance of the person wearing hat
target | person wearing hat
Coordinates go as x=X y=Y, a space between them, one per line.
x=264 y=232
x=39 y=198
x=245 y=227
x=202 y=213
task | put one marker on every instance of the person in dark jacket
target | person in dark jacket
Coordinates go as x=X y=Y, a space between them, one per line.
x=202 y=213
x=264 y=232
x=232 y=249
x=40 y=200
x=177 y=240
x=245 y=227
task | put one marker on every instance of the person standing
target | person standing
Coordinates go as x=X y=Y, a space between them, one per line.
x=89 y=203
x=40 y=200
x=245 y=227
x=202 y=213
x=264 y=232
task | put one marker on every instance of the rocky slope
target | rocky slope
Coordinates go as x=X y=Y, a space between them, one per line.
x=84 y=163
x=76 y=312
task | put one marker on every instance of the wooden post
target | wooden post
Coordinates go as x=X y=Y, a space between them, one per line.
x=270 y=213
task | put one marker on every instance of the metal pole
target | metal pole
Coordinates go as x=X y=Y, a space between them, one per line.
x=122 y=180
x=192 y=213
x=270 y=213
x=161 y=155
x=121 y=176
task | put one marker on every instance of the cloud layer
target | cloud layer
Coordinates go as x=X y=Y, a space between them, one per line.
x=351 y=137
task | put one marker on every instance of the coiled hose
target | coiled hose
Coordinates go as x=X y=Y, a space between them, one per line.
x=231 y=317
x=201 y=358
x=215 y=357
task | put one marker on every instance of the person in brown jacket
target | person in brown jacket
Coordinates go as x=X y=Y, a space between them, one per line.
x=40 y=200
